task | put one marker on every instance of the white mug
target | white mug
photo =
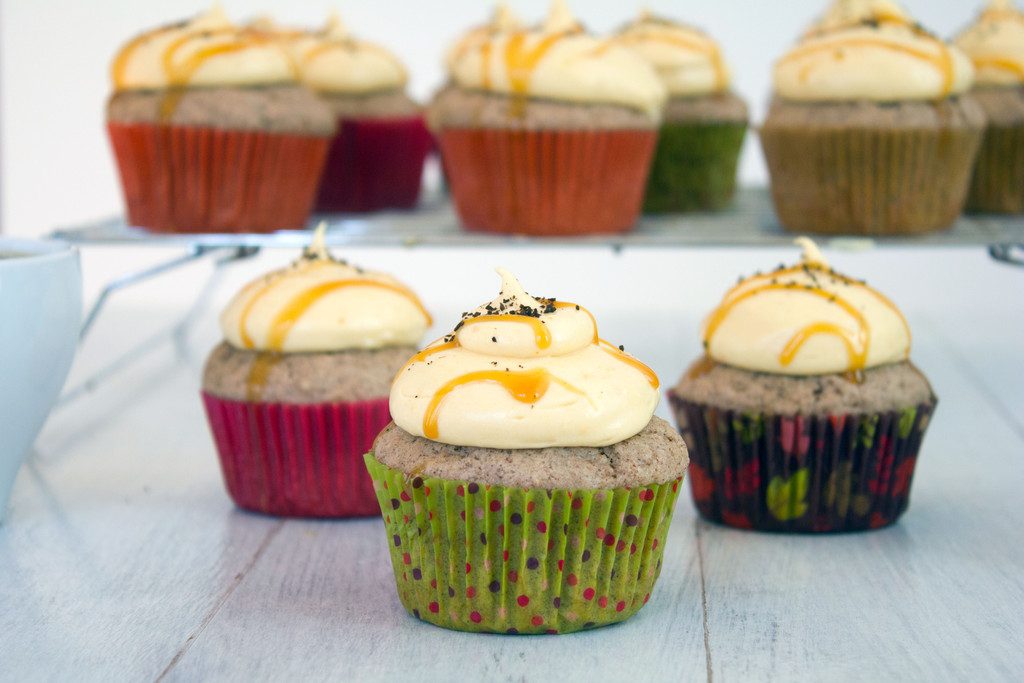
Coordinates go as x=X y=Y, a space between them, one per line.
x=40 y=314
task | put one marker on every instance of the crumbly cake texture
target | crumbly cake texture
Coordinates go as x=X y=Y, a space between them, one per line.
x=336 y=377
x=385 y=104
x=277 y=109
x=455 y=107
x=896 y=386
x=717 y=108
x=656 y=455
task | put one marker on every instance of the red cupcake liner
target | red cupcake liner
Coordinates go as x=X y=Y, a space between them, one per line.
x=548 y=182
x=298 y=460
x=195 y=179
x=796 y=473
x=375 y=164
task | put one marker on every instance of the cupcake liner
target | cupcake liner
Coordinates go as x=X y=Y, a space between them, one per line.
x=297 y=460
x=474 y=557
x=694 y=167
x=547 y=182
x=868 y=181
x=374 y=164
x=801 y=473
x=998 y=182
x=194 y=179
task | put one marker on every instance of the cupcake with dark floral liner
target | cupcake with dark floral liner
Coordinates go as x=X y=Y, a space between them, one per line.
x=995 y=44
x=212 y=132
x=376 y=158
x=871 y=130
x=298 y=390
x=805 y=414
x=704 y=122
x=525 y=485
x=548 y=131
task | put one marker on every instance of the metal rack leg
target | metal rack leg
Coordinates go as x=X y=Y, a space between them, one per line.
x=1012 y=254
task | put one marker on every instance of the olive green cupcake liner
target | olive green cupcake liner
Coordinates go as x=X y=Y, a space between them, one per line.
x=694 y=167
x=868 y=181
x=490 y=558
x=998 y=182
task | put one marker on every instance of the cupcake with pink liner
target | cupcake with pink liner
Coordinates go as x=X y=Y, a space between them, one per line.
x=376 y=158
x=212 y=132
x=805 y=414
x=298 y=389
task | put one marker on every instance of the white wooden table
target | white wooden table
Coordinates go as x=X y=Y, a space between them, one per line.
x=123 y=559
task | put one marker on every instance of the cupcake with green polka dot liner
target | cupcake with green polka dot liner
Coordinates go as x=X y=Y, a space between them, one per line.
x=805 y=414
x=525 y=485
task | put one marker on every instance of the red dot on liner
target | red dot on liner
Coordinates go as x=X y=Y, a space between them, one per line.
x=475 y=617
x=577 y=503
x=561 y=565
x=632 y=548
x=602 y=601
x=588 y=594
x=433 y=583
x=537 y=620
x=523 y=600
x=468 y=568
x=405 y=497
x=470 y=592
x=600 y=532
x=406 y=559
x=504 y=555
x=609 y=540
x=675 y=486
x=495 y=505
x=571 y=580
x=513 y=575
x=621 y=605
x=459 y=491
x=620 y=546
x=654 y=545
x=434 y=607
x=542 y=527
x=530 y=506
x=646 y=598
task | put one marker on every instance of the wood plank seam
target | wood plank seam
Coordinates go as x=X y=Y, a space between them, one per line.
x=704 y=598
x=235 y=582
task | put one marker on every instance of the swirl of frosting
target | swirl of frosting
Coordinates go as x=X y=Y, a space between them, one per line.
x=502 y=21
x=871 y=50
x=205 y=51
x=806 y=320
x=320 y=304
x=559 y=61
x=332 y=60
x=521 y=372
x=995 y=44
x=688 y=61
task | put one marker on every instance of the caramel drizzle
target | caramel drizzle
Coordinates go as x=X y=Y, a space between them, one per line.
x=615 y=351
x=528 y=386
x=1005 y=64
x=707 y=48
x=700 y=367
x=259 y=373
x=520 y=62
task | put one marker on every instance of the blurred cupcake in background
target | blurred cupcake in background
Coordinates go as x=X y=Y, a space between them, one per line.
x=704 y=123
x=376 y=159
x=995 y=43
x=871 y=130
x=298 y=390
x=212 y=131
x=526 y=486
x=805 y=414
x=548 y=131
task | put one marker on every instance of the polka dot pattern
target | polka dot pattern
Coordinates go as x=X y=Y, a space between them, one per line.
x=521 y=561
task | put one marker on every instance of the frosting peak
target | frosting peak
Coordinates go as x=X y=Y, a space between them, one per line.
x=995 y=44
x=524 y=372
x=560 y=19
x=321 y=304
x=806 y=320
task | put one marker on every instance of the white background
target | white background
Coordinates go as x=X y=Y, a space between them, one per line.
x=54 y=58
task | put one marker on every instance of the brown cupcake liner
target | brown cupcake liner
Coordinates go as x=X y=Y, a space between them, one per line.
x=547 y=182
x=195 y=179
x=998 y=182
x=868 y=181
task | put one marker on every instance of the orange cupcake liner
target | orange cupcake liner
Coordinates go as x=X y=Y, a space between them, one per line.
x=548 y=182
x=197 y=179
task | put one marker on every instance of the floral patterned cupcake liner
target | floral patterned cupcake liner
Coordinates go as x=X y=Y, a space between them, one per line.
x=491 y=558
x=801 y=473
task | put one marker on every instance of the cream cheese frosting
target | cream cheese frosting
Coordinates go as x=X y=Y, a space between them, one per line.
x=332 y=60
x=207 y=50
x=503 y=20
x=871 y=50
x=995 y=44
x=688 y=61
x=559 y=61
x=320 y=304
x=521 y=372
x=806 y=320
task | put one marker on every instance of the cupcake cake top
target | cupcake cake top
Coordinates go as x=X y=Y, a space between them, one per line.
x=688 y=61
x=503 y=20
x=995 y=43
x=207 y=50
x=560 y=61
x=806 y=319
x=524 y=372
x=871 y=50
x=322 y=304
x=333 y=60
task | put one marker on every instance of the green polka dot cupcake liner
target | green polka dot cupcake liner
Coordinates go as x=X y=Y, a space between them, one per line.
x=498 y=559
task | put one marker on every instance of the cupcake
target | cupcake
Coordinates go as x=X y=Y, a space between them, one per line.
x=995 y=43
x=298 y=389
x=212 y=132
x=376 y=158
x=548 y=131
x=871 y=131
x=525 y=485
x=704 y=123
x=805 y=413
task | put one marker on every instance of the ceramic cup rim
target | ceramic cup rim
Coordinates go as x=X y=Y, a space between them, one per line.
x=33 y=251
